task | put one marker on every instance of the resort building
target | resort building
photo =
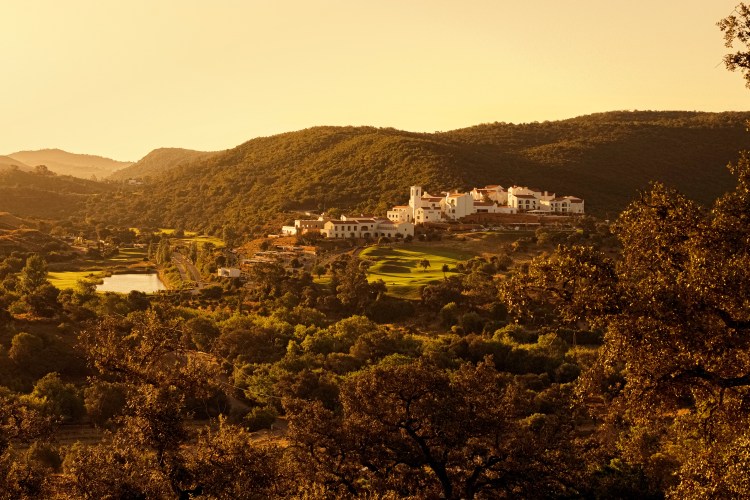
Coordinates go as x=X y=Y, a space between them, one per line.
x=375 y=227
x=451 y=206
x=494 y=199
x=304 y=226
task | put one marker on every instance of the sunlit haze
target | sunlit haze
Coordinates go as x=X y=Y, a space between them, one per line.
x=119 y=79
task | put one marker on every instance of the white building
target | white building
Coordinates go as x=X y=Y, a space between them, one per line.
x=493 y=199
x=228 y=272
x=563 y=204
x=303 y=226
x=375 y=227
x=531 y=199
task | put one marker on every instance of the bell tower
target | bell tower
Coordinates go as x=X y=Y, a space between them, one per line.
x=415 y=196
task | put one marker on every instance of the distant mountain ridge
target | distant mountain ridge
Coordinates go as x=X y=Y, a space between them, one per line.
x=64 y=163
x=8 y=163
x=159 y=160
x=605 y=158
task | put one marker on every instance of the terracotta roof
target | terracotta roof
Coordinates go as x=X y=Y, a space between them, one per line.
x=525 y=196
x=492 y=186
x=483 y=203
x=401 y=206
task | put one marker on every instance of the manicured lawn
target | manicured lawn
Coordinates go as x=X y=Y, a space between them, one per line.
x=68 y=279
x=200 y=240
x=127 y=256
x=399 y=266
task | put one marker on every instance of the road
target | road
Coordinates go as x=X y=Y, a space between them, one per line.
x=188 y=271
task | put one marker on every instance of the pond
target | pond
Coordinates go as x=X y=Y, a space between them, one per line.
x=126 y=283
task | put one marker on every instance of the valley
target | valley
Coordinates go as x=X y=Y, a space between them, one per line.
x=340 y=362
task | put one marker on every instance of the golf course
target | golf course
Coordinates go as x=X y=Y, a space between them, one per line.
x=403 y=268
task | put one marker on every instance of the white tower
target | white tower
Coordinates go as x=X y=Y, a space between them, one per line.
x=415 y=197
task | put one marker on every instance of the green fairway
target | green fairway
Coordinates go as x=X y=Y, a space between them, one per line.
x=400 y=267
x=191 y=236
x=200 y=240
x=68 y=279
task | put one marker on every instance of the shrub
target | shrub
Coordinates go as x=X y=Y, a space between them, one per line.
x=260 y=417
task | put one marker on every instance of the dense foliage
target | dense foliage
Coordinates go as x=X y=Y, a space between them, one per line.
x=604 y=158
x=158 y=160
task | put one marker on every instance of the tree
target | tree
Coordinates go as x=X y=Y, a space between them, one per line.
x=675 y=320
x=34 y=274
x=21 y=423
x=43 y=300
x=25 y=350
x=352 y=287
x=104 y=401
x=445 y=270
x=59 y=400
x=736 y=29
x=397 y=433
x=424 y=264
x=319 y=270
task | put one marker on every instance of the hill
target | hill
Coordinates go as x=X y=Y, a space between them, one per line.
x=28 y=241
x=158 y=161
x=9 y=222
x=8 y=163
x=29 y=194
x=605 y=158
x=64 y=163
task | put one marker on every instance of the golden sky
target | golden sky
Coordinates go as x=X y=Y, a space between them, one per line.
x=120 y=78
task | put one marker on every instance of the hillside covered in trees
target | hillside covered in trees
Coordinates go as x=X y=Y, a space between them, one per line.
x=46 y=195
x=158 y=161
x=605 y=158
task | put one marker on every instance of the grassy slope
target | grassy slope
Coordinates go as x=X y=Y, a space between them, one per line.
x=400 y=270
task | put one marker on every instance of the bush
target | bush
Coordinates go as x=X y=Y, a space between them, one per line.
x=472 y=322
x=449 y=314
x=45 y=454
x=103 y=401
x=260 y=417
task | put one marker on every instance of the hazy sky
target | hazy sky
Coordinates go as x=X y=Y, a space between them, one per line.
x=120 y=78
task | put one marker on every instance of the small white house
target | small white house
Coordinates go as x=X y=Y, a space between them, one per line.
x=228 y=272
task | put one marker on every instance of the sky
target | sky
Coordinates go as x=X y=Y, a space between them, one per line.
x=119 y=79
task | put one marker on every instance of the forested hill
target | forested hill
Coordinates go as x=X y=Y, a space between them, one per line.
x=605 y=158
x=158 y=161
x=31 y=194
